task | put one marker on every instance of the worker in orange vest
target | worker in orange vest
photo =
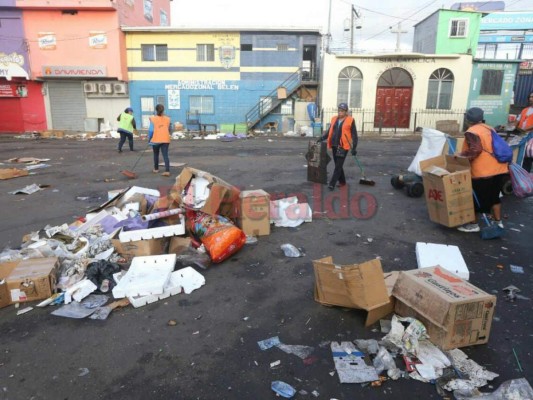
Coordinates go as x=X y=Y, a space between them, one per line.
x=159 y=137
x=525 y=124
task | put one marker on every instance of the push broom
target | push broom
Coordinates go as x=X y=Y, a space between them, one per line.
x=364 y=180
x=129 y=173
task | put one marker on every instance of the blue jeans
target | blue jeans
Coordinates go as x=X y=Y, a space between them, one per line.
x=124 y=134
x=164 y=150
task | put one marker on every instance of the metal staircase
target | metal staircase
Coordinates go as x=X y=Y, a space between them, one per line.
x=271 y=100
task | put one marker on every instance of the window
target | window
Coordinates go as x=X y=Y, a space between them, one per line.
x=350 y=83
x=440 y=88
x=458 y=27
x=491 y=82
x=154 y=52
x=202 y=104
x=286 y=107
x=283 y=47
x=205 y=52
x=246 y=47
x=163 y=18
x=508 y=51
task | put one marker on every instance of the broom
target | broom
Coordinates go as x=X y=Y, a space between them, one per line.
x=129 y=173
x=363 y=180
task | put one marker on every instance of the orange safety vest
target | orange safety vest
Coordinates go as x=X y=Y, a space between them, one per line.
x=346 y=132
x=485 y=164
x=161 y=129
x=525 y=121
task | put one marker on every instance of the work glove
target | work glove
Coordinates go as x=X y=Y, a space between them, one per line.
x=354 y=152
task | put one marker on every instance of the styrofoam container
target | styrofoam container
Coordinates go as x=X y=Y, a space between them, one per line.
x=146 y=276
x=153 y=233
x=447 y=256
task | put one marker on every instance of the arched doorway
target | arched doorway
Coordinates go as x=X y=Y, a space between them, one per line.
x=393 y=99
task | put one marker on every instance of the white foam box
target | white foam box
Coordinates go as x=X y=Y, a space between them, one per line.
x=146 y=276
x=448 y=257
x=153 y=233
x=185 y=279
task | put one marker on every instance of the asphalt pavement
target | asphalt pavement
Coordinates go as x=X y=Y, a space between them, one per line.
x=212 y=351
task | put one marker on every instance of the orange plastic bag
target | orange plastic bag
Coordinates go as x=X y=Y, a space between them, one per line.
x=220 y=237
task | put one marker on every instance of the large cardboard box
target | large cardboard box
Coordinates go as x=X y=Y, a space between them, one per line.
x=32 y=279
x=254 y=212
x=360 y=286
x=453 y=145
x=223 y=197
x=5 y=270
x=455 y=312
x=448 y=190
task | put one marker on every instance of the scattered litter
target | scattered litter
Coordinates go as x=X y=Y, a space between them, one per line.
x=517 y=360
x=283 y=389
x=290 y=251
x=27 y=160
x=517 y=269
x=298 y=350
x=315 y=393
x=515 y=229
x=10 y=173
x=269 y=343
x=406 y=338
x=79 y=290
x=30 y=189
x=350 y=364
x=369 y=240
x=289 y=213
x=251 y=240
x=511 y=292
x=385 y=325
x=36 y=166
x=275 y=364
x=24 y=310
x=515 y=389
x=172 y=322
x=83 y=371
x=477 y=375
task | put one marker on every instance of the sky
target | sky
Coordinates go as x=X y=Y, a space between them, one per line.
x=376 y=18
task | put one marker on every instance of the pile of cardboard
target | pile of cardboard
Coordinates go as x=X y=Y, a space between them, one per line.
x=455 y=312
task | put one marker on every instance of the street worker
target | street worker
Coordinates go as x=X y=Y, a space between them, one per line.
x=126 y=127
x=488 y=175
x=525 y=125
x=342 y=138
x=159 y=138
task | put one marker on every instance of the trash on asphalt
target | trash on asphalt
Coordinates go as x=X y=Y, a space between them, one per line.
x=511 y=292
x=288 y=212
x=472 y=374
x=300 y=351
x=283 y=389
x=268 y=343
x=291 y=251
x=517 y=269
x=361 y=286
x=24 y=310
x=30 y=189
x=514 y=389
x=10 y=173
x=351 y=365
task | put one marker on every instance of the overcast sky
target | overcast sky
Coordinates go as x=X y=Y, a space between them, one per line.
x=376 y=17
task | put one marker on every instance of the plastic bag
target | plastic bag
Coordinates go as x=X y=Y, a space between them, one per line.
x=290 y=251
x=521 y=180
x=220 y=237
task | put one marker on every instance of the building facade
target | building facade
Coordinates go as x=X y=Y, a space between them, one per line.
x=447 y=32
x=397 y=91
x=21 y=101
x=221 y=77
x=78 y=57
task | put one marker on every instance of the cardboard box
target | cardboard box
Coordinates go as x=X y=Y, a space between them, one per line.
x=455 y=312
x=223 y=197
x=453 y=143
x=5 y=270
x=360 y=286
x=254 y=212
x=32 y=279
x=448 y=190
x=178 y=244
x=138 y=248
x=10 y=173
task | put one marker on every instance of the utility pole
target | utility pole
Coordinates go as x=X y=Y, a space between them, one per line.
x=354 y=14
x=398 y=31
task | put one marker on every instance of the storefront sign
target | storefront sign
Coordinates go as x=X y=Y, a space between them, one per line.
x=203 y=85
x=12 y=65
x=13 y=90
x=47 y=40
x=97 y=40
x=69 y=71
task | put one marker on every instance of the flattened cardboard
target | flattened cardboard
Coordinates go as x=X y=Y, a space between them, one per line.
x=223 y=198
x=448 y=197
x=138 y=248
x=455 y=312
x=254 y=212
x=360 y=286
x=5 y=270
x=10 y=173
x=178 y=244
x=32 y=279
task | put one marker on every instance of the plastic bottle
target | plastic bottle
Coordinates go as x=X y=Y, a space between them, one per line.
x=283 y=389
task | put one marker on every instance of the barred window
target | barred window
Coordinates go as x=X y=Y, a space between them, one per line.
x=440 y=89
x=202 y=104
x=491 y=82
x=154 y=52
x=350 y=85
x=205 y=52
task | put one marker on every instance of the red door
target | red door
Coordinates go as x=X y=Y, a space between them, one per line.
x=393 y=107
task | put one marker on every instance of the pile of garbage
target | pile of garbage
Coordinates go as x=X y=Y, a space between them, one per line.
x=138 y=247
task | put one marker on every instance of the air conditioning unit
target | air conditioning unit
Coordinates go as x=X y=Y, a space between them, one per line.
x=120 y=88
x=105 y=88
x=90 y=87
